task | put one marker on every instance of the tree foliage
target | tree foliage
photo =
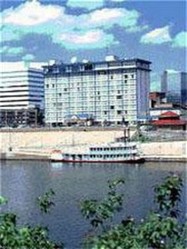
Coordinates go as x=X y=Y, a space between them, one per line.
x=159 y=230
x=13 y=236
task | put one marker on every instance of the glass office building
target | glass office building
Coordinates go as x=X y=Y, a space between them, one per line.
x=112 y=90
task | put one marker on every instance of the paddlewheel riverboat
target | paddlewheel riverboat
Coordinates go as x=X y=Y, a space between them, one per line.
x=122 y=151
x=117 y=152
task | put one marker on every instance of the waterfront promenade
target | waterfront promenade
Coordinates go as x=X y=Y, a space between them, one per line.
x=39 y=143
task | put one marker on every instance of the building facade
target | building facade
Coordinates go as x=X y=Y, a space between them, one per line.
x=21 y=93
x=174 y=84
x=112 y=90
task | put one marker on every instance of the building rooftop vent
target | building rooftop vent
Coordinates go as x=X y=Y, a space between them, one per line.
x=74 y=60
x=51 y=62
x=111 y=58
x=85 y=61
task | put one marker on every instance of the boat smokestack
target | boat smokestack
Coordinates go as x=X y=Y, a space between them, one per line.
x=128 y=131
x=126 y=134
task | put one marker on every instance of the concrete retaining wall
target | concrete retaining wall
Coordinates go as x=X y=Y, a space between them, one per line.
x=178 y=148
x=43 y=142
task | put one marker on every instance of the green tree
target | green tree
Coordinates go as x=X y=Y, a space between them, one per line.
x=159 y=230
x=13 y=236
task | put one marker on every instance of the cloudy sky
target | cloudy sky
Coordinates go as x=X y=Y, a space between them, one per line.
x=40 y=30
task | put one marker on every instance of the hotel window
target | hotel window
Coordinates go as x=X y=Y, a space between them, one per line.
x=126 y=76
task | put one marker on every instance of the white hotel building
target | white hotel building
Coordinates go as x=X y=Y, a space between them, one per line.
x=21 y=92
x=112 y=90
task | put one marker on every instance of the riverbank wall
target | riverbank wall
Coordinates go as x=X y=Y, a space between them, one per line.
x=45 y=140
x=38 y=144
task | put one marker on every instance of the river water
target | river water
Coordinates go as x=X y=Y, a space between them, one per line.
x=23 y=181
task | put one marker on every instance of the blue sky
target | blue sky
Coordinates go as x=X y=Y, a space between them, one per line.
x=40 y=30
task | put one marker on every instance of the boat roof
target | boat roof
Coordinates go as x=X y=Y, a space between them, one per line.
x=114 y=144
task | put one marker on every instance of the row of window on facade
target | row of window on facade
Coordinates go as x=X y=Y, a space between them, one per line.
x=71 y=85
x=113 y=148
x=118 y=112
x=112 y=156
x=103 y=96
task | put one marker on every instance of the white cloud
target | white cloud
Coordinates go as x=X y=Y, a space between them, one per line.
x=11 y=50
x=85 y=4
x=88 y=37
x=180 y=40
x=157 y=36
x=31 y=13
x=110 y=17
x=28 y=57
x=34 y=17
x=93 y=38
x=105 y=15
